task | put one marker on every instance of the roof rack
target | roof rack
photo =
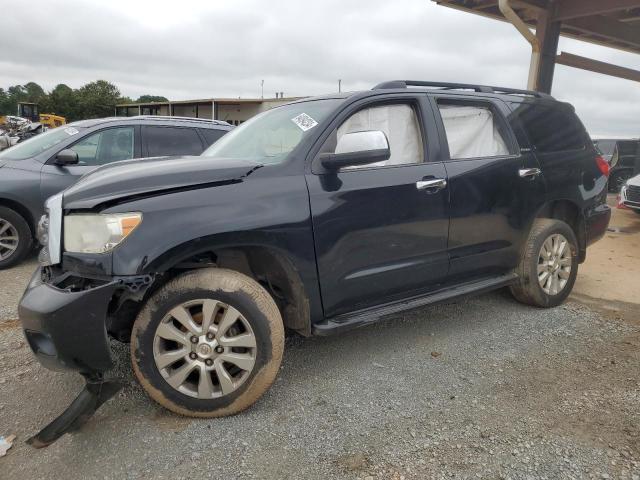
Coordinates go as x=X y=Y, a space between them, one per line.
x=165 y=117
x=457 y=86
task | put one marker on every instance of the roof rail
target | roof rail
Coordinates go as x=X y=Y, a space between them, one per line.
x=457 y=86
x=165 y=117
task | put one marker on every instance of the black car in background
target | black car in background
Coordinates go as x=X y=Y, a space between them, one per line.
x=623 y=157
x=317 y=216
x=33 y=170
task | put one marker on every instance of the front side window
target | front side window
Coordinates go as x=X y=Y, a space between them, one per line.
x=400 y=125
x=472 y=131
x=166 y=141
x=106 y=146
x=270 y=137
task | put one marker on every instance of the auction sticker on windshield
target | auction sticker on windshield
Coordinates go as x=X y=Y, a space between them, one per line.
x=71 y=131
x=304 y=121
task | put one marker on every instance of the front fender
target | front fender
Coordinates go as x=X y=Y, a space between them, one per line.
x=265 y=212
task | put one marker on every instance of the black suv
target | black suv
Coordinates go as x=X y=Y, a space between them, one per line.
x=624 y=160
x=32 y=171
x=317 y=216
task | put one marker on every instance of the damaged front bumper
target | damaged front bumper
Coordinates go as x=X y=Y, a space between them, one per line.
x=66 y=330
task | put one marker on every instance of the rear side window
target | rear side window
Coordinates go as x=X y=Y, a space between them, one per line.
x=165 y=141
x=473 y=130
x=210 y=135
x=551 y=128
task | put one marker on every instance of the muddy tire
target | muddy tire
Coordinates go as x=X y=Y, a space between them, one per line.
x=209 y=343
x=549 y=265
x=15 y=238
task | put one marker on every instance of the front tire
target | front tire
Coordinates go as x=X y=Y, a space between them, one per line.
x=549 y=264
x=15 y=238
x=208 y=344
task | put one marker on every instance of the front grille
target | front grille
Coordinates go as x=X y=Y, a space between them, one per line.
x=633 y=193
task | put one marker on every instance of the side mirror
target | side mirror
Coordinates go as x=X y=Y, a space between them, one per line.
x=66 y=157
x=357 y=148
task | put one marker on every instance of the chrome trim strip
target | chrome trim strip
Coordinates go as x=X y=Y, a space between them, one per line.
x=54 y=208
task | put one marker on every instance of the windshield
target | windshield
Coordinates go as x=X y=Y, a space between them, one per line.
x=39 y=143
x=272 y=135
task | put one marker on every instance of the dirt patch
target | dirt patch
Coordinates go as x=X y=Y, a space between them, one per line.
x=612 y=268
x=9 y=324
x=170 y=422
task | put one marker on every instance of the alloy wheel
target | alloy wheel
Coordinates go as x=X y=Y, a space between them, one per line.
x=204 y=348
x=554 y=264
x=9 y=239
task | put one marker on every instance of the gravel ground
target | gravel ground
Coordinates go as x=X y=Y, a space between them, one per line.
x=12 y=284
x=482 y=388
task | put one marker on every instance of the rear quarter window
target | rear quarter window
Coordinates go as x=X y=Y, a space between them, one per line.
x=551 y=128
x=211 y=135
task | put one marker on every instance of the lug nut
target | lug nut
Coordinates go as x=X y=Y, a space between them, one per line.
x=209 y=362
x=193 y=356
x=219 y=349
x=194 y=339
x=209 y=336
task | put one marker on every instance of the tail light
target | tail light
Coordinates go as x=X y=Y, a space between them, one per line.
x=603 y=165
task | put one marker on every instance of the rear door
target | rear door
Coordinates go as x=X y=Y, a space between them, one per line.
x=161 y=141
x=380 y=234
x=494 y=187
x=97 y=148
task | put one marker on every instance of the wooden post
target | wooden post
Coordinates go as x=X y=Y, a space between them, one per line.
x=548 y=33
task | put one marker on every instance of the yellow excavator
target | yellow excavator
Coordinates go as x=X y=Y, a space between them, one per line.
x=30 y=112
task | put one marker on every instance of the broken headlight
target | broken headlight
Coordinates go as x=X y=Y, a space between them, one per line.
x=98 y=233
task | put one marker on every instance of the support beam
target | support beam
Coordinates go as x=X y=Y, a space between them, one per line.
x=548 y=33
x=584 y=63
x=607 y=28
x=566 y=9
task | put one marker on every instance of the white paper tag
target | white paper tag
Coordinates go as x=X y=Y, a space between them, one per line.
x=70 y=131
x=304 y=121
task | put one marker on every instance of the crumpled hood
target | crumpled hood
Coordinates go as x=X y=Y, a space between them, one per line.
x=152 y=175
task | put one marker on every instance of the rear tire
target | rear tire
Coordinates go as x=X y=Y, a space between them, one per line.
x=15 y=238
x=208 y=344
x=549 y=264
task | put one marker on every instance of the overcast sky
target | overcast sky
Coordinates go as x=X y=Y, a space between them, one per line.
x=201 y=49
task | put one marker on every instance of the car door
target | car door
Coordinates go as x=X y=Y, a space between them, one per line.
x=161 y=141
x=97 y=148
x=495 y=189
x=380 y=230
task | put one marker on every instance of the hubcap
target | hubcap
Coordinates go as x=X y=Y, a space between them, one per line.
x=204 y=348
x=554 y=264
x=8 y=239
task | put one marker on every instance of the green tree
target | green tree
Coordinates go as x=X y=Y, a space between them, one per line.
x=5 y=102
x=97 y=99
x=30 y=92
x=151 y=98
x=61 y=101
x=33 y=92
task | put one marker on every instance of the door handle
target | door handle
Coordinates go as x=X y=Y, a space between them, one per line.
x=431 y=186
x=529 y=172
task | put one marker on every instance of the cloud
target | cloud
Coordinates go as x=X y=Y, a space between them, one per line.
x=201 y=49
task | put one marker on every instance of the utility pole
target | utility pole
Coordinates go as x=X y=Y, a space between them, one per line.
x=339 y=85
x=261 y=88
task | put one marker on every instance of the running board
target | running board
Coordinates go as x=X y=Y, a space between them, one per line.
x=373 y=314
